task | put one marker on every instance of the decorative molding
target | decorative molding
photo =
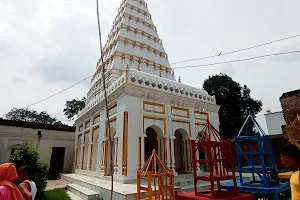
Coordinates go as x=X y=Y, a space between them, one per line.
x=83 y=165
x=111 y=109
x=121 y=13
x=200 y=124
x=165 y=151
x=139 y=151
x=184 y=122
x=103 y=157
x=131 y=58
x=121 y=25
x=162 y=106
x=181 y=109
x=159 y=119
x=96 y=118
x=161 y=148
x=78 y=145
x=125 y=145
x=187 y=155
x=170 y=150
x=116 y=155
x=201 y=113
x=81 y=128
x=95 y=137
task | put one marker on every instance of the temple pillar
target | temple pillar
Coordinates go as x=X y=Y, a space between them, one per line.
x=142 y=154
x=116 y=147
x=168 y=153
x=88 y=159
x=172 y=138
x=80 y=166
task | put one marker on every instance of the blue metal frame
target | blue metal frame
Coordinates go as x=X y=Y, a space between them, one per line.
x=264 y=166
x=274 y=190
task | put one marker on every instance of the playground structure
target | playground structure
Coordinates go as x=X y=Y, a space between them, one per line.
x=257 y=160
x=219 y=159
x=160 y=180
x=260 y=161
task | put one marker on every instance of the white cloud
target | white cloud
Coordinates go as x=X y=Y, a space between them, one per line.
x=49 y=45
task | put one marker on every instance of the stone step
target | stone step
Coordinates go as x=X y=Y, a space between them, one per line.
x=102 y=187
x=184 y=176
x=190 y=188
x=82 y=192
x=73 y=196
x=184 y=182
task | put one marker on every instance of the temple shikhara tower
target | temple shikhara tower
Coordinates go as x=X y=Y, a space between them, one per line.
x=148 y=108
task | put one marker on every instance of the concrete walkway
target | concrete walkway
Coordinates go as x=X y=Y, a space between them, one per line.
x=54 y=184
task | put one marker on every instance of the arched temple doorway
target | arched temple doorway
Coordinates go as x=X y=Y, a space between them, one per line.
x=153 y=141
x=111 y=151
x=182 y=151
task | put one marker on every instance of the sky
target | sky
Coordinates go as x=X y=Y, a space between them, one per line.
x=46 y=46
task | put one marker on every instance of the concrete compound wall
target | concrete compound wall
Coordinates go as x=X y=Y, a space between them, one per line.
x=11 y=137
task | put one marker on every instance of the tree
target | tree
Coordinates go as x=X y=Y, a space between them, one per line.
x=235 y=102
x=26 y=156
x=73 y=107
x=25 y=115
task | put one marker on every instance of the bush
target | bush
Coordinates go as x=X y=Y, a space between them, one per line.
x=29 y=157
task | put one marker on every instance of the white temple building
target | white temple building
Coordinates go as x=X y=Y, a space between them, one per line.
x=148 y=108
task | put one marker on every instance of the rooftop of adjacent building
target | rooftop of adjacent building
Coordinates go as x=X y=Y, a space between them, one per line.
x=291 y=93
x=66 y=128
x=269 y=112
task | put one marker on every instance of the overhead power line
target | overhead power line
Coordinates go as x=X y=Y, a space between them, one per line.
x=57 y=93
x=235 y=51
x=239 y=60
x=195 y=66
x=222 y=54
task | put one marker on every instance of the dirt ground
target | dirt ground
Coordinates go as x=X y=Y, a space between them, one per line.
x=54 y=184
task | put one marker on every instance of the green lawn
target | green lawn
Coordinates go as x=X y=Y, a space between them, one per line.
x=56 y=194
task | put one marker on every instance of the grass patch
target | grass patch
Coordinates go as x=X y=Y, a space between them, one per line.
x=56 y=194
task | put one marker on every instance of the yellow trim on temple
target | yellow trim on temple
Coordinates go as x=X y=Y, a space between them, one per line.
x=162 y=106
x=156 y=118
x=125 y=145
x=185 y=122
x=181 y=109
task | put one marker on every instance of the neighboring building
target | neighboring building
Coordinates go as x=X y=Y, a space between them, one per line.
x=274 y=122
x=148 y=109
x=55 y=143
x=290 y=103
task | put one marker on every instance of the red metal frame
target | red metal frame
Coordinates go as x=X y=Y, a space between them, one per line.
x=219 y=158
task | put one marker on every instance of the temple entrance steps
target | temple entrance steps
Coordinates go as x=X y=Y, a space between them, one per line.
x=82 y=192
x=185 y=183
x=83 y=187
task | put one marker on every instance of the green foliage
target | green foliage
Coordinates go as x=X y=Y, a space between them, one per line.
x=56 y=194
x=25 y=115
x=27 y=156
x=73 y=107
x=235 y=102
